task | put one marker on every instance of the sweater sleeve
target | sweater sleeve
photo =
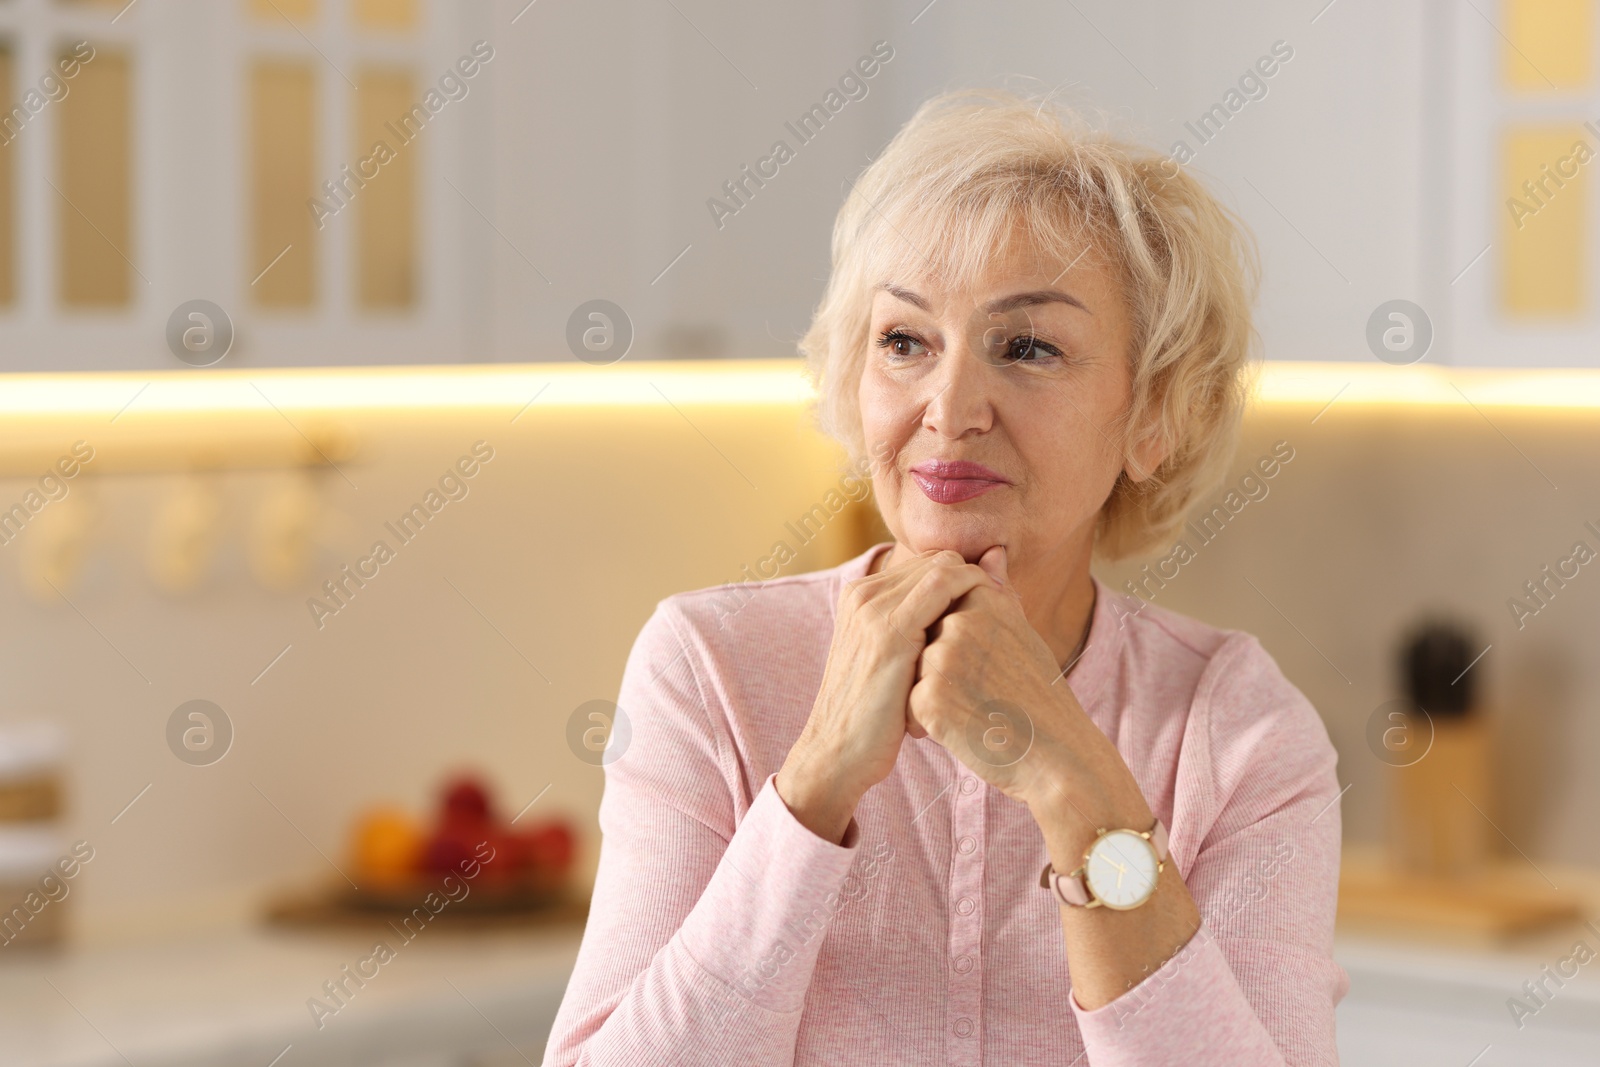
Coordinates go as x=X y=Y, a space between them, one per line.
x=1256 y=984
x=704 y=928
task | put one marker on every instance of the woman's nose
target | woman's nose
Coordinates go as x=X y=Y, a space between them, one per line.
x=962 y=401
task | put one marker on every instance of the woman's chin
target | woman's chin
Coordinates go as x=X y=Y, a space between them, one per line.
x=970 y=535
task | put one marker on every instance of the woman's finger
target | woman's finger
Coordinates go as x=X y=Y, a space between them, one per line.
x=931 y=595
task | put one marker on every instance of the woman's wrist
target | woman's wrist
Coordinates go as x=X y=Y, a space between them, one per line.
x=821 y=805
x=1071 y=816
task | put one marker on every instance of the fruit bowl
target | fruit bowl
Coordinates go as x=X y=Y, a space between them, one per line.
x=465 y=861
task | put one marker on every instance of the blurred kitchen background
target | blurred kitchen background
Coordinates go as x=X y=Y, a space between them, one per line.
x=541 y=344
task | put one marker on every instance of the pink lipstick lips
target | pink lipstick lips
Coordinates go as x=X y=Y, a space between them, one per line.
x=952 y=481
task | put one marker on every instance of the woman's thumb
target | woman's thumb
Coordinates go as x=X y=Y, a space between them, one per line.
x=993 y=561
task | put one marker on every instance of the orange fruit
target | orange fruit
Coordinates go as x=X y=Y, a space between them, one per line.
x=386 y=846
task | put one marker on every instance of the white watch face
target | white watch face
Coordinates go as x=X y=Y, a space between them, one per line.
x=1121 y=870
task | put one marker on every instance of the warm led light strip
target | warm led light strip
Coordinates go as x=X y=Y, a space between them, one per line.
x=741 y=382
x=725 y=382
x=1426 y=386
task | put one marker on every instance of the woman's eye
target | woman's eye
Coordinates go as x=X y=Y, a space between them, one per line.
x=1026 y=349
x=899 y=343
x=1023 y=348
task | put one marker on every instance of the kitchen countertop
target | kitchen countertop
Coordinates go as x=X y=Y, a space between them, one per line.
x=1412 y=1004
x=482 y=998
x=240 y=997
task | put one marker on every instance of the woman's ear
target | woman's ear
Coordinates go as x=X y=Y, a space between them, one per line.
x=1145 y=454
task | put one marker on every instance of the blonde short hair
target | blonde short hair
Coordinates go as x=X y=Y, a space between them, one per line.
x=946 y=194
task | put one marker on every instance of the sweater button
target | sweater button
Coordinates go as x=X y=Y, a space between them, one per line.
x=964 y=906
x=963 y=964
x=963 y=1027
x=968 y=785
x=966 y=845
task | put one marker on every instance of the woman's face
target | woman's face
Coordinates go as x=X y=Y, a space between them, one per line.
x=999 y=406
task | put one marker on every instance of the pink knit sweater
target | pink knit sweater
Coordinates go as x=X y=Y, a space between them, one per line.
x=724 y=932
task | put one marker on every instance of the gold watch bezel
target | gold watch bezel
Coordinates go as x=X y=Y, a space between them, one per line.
x=1083 y=871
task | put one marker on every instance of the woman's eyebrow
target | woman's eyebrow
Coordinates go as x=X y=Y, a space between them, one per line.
x=1003 y=304
x=905 y=294
x=1038 y=296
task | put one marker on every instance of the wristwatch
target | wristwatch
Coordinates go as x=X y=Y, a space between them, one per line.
x=1119 y=870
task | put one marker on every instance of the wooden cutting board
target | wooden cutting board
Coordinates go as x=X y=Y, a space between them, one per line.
x=1499 y=903
x=337 y=906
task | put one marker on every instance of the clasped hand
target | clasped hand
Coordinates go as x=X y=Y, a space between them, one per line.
x=986 y=691
x=939 y=647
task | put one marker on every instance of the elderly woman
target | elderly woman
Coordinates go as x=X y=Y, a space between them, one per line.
x=955 y=801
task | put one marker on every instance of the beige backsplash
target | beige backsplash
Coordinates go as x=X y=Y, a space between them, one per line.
x=582 y=521
x=1387 y=513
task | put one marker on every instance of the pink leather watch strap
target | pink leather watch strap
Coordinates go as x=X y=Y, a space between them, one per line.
x=1069 y=888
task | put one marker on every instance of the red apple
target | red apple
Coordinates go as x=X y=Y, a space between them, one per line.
x=549 y=847
x=467 y=799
